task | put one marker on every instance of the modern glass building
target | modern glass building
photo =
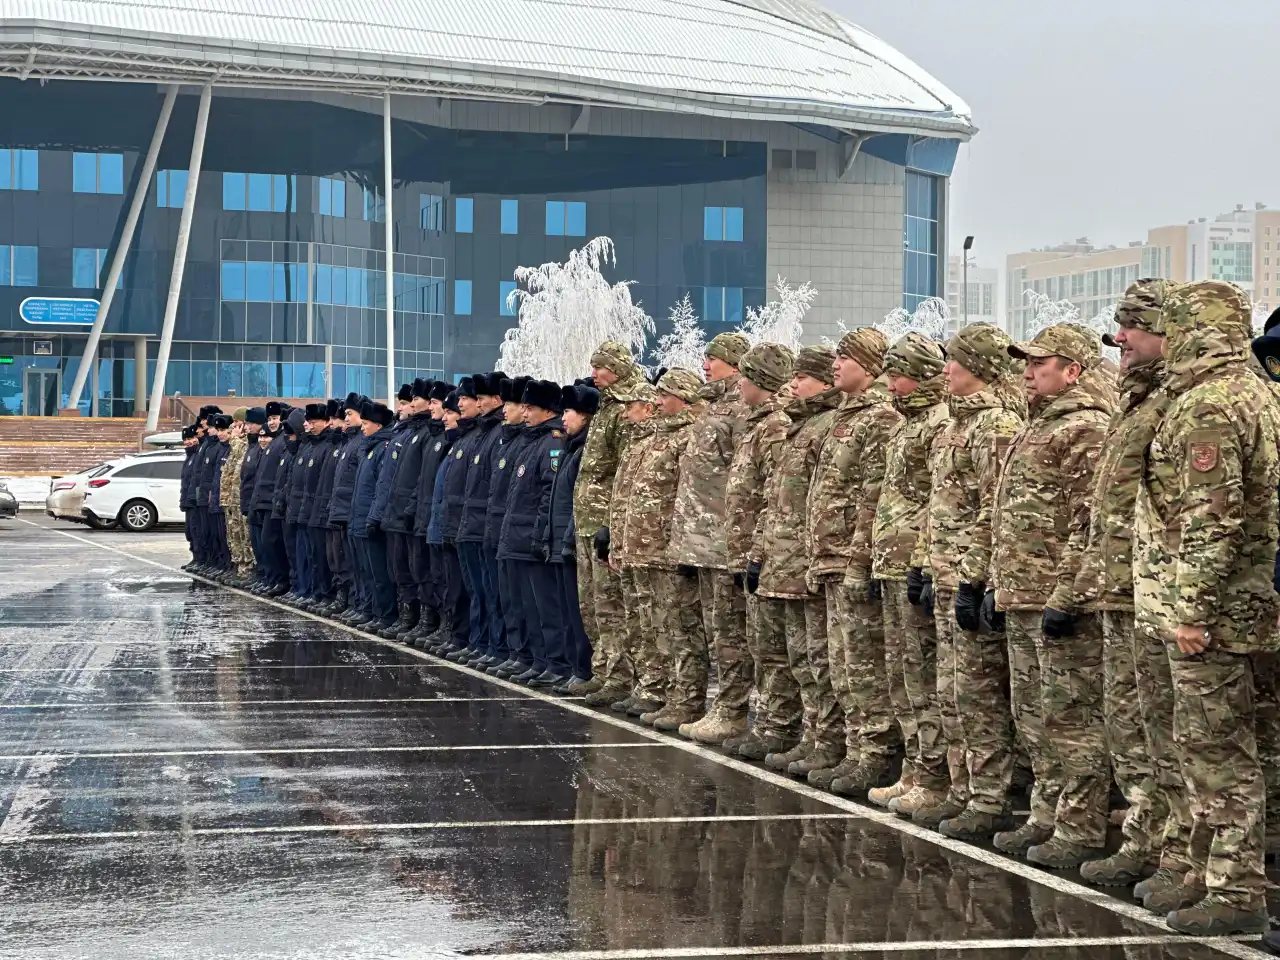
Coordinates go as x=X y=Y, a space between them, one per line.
x=510 y=144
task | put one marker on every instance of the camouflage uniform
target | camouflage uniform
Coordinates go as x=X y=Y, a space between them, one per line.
x=841 y=512
x=1204 y=554
x=788 y=615
x=238 y=544
x=753 y=461
x=606 y=438
x=1137 y=687
x=956 y=546
x=699 y=533
x=1040 y=527
x=911 y=639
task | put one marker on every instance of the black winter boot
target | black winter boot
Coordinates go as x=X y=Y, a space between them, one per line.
x=390 y=631
x=411 y=621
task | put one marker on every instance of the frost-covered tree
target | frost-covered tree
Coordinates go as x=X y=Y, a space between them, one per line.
x=566 y=310
x=686 y=344
x=781 y=320
x=930 y=319
x=1047 y=312
x=1260 y=315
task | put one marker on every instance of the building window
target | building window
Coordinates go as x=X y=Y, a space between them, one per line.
x=87 y=264
x=375 y=209
x=19 y=266
x=920 y=240
x=259 y=281
x=19 y=169
x=331 y=197
x=510 y=216
x=783 y=160
x=806 y=160
x=97 y=172
x=171 y=188
x=462 y=298
x=722 y=304
x=431 y=213
x=566 y=218
x=504 y=290
x=463 y=215
x=260 y=192
x=722 y=223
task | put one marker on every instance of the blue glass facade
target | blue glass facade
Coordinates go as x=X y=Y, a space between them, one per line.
x=284 y=289
x=920 y=240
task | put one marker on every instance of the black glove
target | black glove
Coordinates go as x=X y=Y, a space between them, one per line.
x=740 y=581
x=916 y=579
x=1056 y=623
x=688 y=572
x=969 y=604
x=752 y=576
x=544 y=553
x=992 y=619
x=874 y=592
x=926 y=597
x=602 y=544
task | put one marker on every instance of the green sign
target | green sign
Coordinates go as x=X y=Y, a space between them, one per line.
x=5 y=361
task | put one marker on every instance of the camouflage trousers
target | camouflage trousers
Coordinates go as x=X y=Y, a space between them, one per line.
x=779 y=625
x=1132 y=759
x=587 y=604
x=641 y=633
x=1055 y=686
x=810 y=657
x=973 y=680
x=724 y=617
x=238 y=542
x=609 y=616
x=1213 y=730
x=911 y=659
x=857 y=654
x=678 y=613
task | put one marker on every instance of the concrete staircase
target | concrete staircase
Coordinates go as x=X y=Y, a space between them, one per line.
x=55 y=446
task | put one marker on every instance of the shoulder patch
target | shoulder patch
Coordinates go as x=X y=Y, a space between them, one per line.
x=415 y=439
x=476 y=458
x=520 y=470
x=439 y=444
x=502 y=464
x=557 y=434
x=458 y=455
x=841 y=431
x=1204 y=457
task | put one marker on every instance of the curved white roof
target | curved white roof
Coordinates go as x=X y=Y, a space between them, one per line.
x=785 y=60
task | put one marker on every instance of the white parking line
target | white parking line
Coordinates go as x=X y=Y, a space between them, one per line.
x=289 y=751
x=254 y=703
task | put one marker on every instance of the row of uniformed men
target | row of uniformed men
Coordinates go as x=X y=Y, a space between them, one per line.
x=968 y=553
x=447 y=525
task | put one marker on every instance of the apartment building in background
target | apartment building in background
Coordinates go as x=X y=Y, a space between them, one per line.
x=983 y=294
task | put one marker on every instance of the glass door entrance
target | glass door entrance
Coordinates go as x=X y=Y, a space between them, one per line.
x=41 y=392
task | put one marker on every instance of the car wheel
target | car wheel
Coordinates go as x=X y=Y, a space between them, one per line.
x=138 y=516
x=99 y=524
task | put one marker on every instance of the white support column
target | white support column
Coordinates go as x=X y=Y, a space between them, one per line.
x=390 y=244
x=122 y=248
x=139 y=376
x=179 y=257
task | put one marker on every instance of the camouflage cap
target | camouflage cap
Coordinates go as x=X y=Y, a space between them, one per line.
x=915 y=356
x=240 y=413
x=867 y=346
x=1204 y=305
x=981 y=349
x=681 y=383
x=768 y=366
x=816 y=361
x=729 y=347
x=614 y=357
x=1140 y=308
x=1068 y=340
x=643 y=392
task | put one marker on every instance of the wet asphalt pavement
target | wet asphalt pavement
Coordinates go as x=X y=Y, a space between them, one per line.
x=187 y=772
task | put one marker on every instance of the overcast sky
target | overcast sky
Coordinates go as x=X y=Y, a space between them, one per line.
x=1096 y=118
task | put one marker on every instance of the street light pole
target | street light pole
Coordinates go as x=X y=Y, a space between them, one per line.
x=968 y=245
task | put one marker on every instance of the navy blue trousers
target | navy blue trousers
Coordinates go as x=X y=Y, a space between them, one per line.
x=382 y=590
x=318 y=562
x=274 y=554
x=457 y=602
x=471 y=556
x=512 y=605
x=255 y=541
x=490 y=573
x=540 y=594
x=359 y=595
x=578 y=650
x=218 y=546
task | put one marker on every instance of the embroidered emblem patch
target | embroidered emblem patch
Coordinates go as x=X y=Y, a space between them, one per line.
x=502 y=464
x=311 y=462
x=439 y=444
x=1204 y=456
x=477 y=458
x=458 y=455
x=520 y=470
x=1273 y=366
x=395 y=454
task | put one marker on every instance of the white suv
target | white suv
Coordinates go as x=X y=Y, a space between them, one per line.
x=136 y=493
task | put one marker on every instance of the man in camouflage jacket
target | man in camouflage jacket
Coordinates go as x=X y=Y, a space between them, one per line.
x=229 y=496
x=766 y=369
x=788 y=615
x=914 y=369
x=841 y=513
x=698 y=541
x=615 y=373
x=1040 y=527
x=1137 y=695
x=1204 y=552
x=955 y=546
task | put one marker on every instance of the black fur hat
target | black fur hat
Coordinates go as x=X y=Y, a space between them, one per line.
x=451 y=402
x=513 y=389
x=405 y=393
x=333 y=408
x=380 y=414
x=189 y=432
x=256 y=415
x=496 y=380
x=208 y=409
x=439 y=391
x=422 y=388
x=466 y=388
x=277 y=408
x=582 y=398
x=220 y=421
x=544 y=395
x=353 y=400
x=366 y=409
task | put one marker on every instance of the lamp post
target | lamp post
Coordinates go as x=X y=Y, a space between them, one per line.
x=964 y=293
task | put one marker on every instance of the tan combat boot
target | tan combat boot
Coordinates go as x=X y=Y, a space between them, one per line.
x=881 y=796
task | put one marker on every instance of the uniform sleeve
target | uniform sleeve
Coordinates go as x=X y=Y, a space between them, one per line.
x=988 y=457
x=1210 y=516
x=769 y=448
x=548 y=464
x=871 y=455
x=1078 y=461
x=920 y=556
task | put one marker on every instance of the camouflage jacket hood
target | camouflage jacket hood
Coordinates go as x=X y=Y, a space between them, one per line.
x=753 y=461
x=699 y=535
x=1105 y=581
x=846 y=486
x=904 y=494
x=1044 y=501
x=653 y=466
x=1196 y=354
x=606 y=438
x=956 y=539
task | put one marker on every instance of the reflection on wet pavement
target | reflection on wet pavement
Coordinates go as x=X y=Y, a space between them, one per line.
x=186 y=772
